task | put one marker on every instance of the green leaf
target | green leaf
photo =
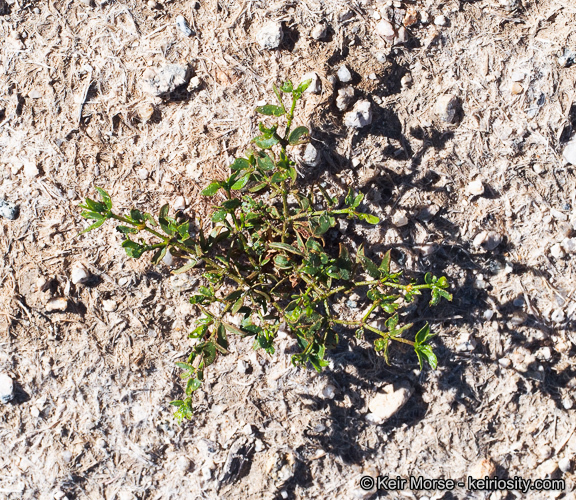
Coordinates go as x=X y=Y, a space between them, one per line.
x=209 y=354
x=133 y=249
x=426 y=353
x=357 y=200
x=93 y=206
x=367 y=263
x=164 y=209
x=238 y=305
x=105 y=197
x=234 y=329
x=292 y=173
x=94 y=226
x=136 y=215
x=185 y=366
x=212 y=188
x=423 y=335
x=265 y=142
x=278 y=177
x=270 y=110
x=126 y=230
x=264 y=161
x=286 y=247
x=192 y=385
x=240 y=164
x=241 y=183
x=303 y=86
x=219 y=215
x=385 y=264
x=296 y=135
x=282 y=262
x=232 y=204
x=287 y=87
x=369 y=218
x=159 y=255
x=258 y=187
x=198 y=332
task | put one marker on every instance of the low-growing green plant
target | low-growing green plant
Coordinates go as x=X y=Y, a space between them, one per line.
x=266 y=262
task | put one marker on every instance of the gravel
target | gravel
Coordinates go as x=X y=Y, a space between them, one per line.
x=319 y=32
x=311 y=156
x=79 y=274
x=165 y=80
x=344 y=74
x=183 y=26
x=9 y=210
x=447 y=107
x=344 y=98
x=388 y=402
x=270 y=35
x=569 y=153
x=360 y=116
x=6 y=388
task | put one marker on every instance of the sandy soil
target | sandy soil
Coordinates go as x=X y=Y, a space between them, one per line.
x=90 y=417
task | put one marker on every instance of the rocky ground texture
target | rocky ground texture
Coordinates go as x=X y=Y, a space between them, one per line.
x=453 y=117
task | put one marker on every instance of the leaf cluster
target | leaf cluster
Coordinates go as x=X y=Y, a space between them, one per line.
x=265 y=261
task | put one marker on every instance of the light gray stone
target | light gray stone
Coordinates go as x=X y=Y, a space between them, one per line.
x=388 y=402
x=344 y=98
x=360 y=116
x=569 y=153
x=162 y=81
x=6 y=388
x=9 y=210
x=270 y=35
x=183 y=26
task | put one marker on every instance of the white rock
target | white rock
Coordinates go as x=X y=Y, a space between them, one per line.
x=545 y=353
x=162 y=81
x=466 y=343
x=504 y=362
x=561 y=216
x=79 y=274
x=569 y=245
x=440 y=20
x=568 y=403
x=142 y=173
x=9 y=210
x=180 y=203
x=247 y=429
x=311 y=156
x=360 y=116
x=183 y=26
x=344 y=98
x=329 y=391
x=387 y=403
x=258 y=445
x=6 y=388
x=241 y=366
x=447 y=107
x=385 y=29
x=344 y=74
x=482 y=468
x=557 y=251
x=475 y=188
x=489 y=240
x=558 y=316
x=30 y=169
x=182 y=282
x=319 y=32
x=570 y=152
x=427 y=250
x=194 y=84
x=183 y=464
x=402 y=36
x=315 y=86
x=109 y=305
x=57 y=304
x=399 y=218
x=565 y=464
x=547 y=468
x=168 y=259
x=270 y=35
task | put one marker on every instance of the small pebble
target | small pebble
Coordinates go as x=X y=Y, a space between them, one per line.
x=344 y=98
x=241 y=366
x=67 y=456
x=447 y=107
x=79 y=274
x=247 y=429
x=179 y=203
x=153 y=5
x=406 y=81
x=466 y=343
x=344 y=74
x=258 y=445
x=146 y=111
x=557 y=252
x=34 y=94
x=319 y=32
x=387 y=403
x=441 y=20
x=385 y=30
x=9 y=210
x=360 y=116
x=142 y=173
x=182 y=282
x=488 y=314
x=109 y=305
x=399 y=218
x=547 y=468
x=476 y=188
x=567 y=59
x=569 y=245
x=6 y=388
x=183 y=25
x=516 y=88
x=194 y=84
x=311 y=156
x=270 y=35
x=57 y=304
x=558 y=316
x=504 y=362
x=183 y=464
x=329 y=391
x=545 y=353
x=489 y=240
x=402 y=36
x=569 y=153
x=315 y=86
x=568 y=403
x=168 y=259
x=164 y=80
x=482 y=468
x=565 y=464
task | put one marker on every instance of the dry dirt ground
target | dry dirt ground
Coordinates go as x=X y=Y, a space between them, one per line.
x=90 y=417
